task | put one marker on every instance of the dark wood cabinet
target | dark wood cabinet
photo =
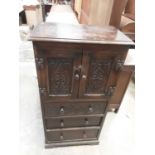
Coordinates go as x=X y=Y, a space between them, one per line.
x=77 y=68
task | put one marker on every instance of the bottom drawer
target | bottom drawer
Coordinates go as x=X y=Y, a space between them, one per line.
x=68 y=135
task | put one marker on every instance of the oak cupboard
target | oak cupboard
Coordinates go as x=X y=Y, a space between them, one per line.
x=77 y=68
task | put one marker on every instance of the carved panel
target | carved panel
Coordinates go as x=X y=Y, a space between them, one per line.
x=60 y=76
x=97 y=76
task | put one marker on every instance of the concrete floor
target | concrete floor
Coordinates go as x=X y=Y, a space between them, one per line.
x=117 y=136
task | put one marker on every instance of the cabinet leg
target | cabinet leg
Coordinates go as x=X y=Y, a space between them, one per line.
x=115 y=110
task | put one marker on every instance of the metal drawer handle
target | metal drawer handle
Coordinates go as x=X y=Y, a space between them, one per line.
x=62 y=110
x=61 y=136
x=86 y=121
x=84 y=134
x=62 y=123
x=90 y=108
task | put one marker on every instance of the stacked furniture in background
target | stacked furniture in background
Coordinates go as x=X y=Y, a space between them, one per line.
x=33 y=13
x=128 y=20
x=100 y=12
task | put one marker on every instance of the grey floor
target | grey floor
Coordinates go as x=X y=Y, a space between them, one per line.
x=117 y=136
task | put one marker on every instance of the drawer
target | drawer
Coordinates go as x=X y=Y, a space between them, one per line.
x=72 y=122
x=69 y=109
x=68 y=135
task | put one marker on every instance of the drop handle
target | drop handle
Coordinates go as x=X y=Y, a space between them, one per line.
x=84 y=134
x=62 y=123
x=62 y=110
x=61 y=136
x=90 y=108
x=86 y=121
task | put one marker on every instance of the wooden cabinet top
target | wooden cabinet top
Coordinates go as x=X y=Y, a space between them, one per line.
x=57 y=32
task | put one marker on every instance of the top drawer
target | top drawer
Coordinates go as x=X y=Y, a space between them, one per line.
x=69 y=109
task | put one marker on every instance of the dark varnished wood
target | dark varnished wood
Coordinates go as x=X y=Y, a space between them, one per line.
x=69 y=109
x=52 y=123
x=78 y=34
x=61 y=73
x=122 y=84
x=71 y=143
x=99 y=73
x=70 y=135
x=77 y=69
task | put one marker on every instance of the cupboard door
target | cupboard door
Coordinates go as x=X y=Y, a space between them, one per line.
x=99 y=76
x=61 y=74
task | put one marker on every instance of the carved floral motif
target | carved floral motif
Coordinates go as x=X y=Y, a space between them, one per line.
x=97 y=76
x=60 y=71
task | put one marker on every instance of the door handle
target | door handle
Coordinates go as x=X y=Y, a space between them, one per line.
x=77 y=72
x=84 y=76
x=76 y=76
x=90 y=108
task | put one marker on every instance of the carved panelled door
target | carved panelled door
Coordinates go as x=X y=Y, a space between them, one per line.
x=98 y=77
x=61 y=74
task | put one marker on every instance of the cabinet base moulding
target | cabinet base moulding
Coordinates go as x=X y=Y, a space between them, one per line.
x=92 y=142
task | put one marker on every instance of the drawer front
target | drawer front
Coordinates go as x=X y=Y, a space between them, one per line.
x=58 y=136
x=52 y=123
x=69 y=109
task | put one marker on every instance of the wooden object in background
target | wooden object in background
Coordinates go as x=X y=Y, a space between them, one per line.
x=78 y=67
x=77 y=8
x=33 y=14
x=128 y=20
x=102 y=12
x=128 y=27
x=130 y=9
x=117 y=10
